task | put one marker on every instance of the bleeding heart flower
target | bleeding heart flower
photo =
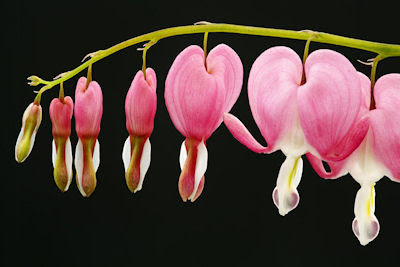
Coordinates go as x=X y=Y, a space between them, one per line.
x=60 y=115
x=197 y=92
x=26 y=138
x=88 y=112
x=378 y=155
x=318 y=116
x=140 y=109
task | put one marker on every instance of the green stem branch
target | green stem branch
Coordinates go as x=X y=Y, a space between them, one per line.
x=385 y=50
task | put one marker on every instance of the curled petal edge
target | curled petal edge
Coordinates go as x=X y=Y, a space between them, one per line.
x=240 y=132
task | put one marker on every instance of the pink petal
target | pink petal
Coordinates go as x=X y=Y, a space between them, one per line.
x=385 y=123
x=272 y=88
x=337 y=168
x=196 y=97
x=240 y=132
x=224 y=62
x=60 y=115
x=141 y=104
x=329 y=102
x=88 y=108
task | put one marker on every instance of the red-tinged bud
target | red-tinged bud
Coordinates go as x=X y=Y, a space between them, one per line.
x=88 y=112
x=26 y=138
x=140 y=109
x=60 y=115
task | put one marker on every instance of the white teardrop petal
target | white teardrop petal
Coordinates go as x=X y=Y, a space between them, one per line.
x=53 y=153
x=144 y=163
x=79 y=166
x=365 y=225
x=96 y=155
x=201 y=167
x=285 y=194
x=68 y=161
x=126 y=153
x=182 y=155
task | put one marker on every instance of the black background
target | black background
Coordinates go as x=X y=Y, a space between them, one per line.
x=234 y=222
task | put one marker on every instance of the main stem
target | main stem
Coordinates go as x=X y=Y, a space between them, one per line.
x=385 y=50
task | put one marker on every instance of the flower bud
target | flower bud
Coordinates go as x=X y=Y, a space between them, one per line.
x=88 y=112
x=140 y=109
x=26 y=138
x=60 y=115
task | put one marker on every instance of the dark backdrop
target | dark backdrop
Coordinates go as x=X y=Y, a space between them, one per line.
x=234 y=222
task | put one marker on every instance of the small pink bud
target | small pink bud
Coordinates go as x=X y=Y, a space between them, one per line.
x=88 y=112
x=140 y=109
x=26 y=138
x=60 y=115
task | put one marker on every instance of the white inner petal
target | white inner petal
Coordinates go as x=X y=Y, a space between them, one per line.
x=68 y=161
x=201 y=167
x=126 y=153
x=294 y=142
x=96 y=155
x=144 y=163
x=285 y=194
x=79 y=165
x=53 y=153
x=364 y=167
x=365 y=224
x=182 y=155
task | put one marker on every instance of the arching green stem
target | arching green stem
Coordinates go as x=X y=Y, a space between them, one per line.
x=205 y=48
x=386 y=50
x=147 y=46
x=373 y=73
x=305 y=55
x=61 y=93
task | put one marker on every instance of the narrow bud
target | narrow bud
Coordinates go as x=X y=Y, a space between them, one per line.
x=26 y=138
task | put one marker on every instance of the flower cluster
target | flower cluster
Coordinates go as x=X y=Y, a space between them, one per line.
x=319 y=108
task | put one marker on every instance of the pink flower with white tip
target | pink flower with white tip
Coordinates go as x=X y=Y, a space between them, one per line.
x=376 y=157
x=316 y=116
x=140 y=109
x=197 y=92
x=60 y=115
x=88 y=112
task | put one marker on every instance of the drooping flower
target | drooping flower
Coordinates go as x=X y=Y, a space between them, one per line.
x=316 y=116
x=60 y=115
x=140 y=109
x=378 y=155
x=88 y=112
x=26 y=138
x=197 y=92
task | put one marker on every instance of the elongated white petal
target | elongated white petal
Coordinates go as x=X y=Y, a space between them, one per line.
x=182 y=155
x=126 y=153
x=53 y=153
x=96 y=155
x=79 y=166
x=144 y=163
x=68 y=161
x=365 y=224
x=285 y=195
x=201 y=167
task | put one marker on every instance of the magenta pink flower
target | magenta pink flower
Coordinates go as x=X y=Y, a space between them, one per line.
x=378 y=155
x=197 y=92
x=26 y=138
x=140 y=109
x=60 y=115
x=88 y=112
x=318 y=116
